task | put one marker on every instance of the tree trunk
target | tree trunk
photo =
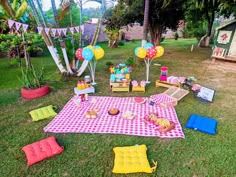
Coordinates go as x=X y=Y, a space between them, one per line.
x=155 y=34
x=96 y=33
x=62 y=43
x=205 y=40
x=113 y=41
x=145 y=22
x=47 y=39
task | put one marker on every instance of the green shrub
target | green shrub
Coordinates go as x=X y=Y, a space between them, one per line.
x=121 y=43
x=109 y=64
x=32 y=78
x=131 y=61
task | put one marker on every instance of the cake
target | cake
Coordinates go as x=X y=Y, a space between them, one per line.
x=113 y=111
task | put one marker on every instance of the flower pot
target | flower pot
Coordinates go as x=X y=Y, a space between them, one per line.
x=35 y=93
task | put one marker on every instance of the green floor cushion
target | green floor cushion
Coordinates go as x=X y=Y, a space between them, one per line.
x=43 y=113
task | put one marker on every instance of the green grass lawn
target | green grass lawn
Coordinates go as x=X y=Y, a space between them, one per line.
x=91 y=155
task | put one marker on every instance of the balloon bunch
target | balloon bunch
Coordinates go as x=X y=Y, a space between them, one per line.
x=148 y=52
x=91 y=54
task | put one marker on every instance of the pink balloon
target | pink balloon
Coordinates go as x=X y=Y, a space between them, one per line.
x=78 y=54
x=151 y=52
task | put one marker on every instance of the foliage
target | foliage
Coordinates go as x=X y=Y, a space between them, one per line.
x=15 y=10
x=121 y=43
x=162 y=14
x=32 y=78
x=196 y=29
x=92 y=13
x=201 y=15
x=109 y=63
x=176 y=36
x=13 y=44
x=131 y=61
x=65 y=22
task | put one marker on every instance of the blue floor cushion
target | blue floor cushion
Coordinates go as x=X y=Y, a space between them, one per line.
x=202 y=124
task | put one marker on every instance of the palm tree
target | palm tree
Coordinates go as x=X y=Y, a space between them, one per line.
x=62 y=42
x=145 y=23
x=39 y=17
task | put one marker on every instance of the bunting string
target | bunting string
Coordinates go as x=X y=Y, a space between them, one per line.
x=49 y=31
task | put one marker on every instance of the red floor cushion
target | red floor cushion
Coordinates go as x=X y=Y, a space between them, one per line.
x=41 y=150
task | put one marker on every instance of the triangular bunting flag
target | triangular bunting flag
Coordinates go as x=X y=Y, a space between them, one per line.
x=77 y=29
x=25 y=27
x=54 y=31
x=59 y=31
x=18 y=25
x=40 y=29
x=47 y=30
x=10 y=23
x=72 y=30
x=64 y=30
x=82 y=28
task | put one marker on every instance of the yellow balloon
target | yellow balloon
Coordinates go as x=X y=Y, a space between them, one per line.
x=160 y=51
x=90 y=47
x=141 y=52
x=99 y=53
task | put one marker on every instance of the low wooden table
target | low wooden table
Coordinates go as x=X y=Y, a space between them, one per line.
x=166 y=84
x=138 y=89
x=120 y=86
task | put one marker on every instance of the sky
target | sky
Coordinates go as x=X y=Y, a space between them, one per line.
x=47 y=4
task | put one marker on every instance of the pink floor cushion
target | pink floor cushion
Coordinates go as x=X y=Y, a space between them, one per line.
x=41 y=150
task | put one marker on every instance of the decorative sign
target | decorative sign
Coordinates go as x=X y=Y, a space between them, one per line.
x=206 y=94
x=218 y=52
x=224 y=37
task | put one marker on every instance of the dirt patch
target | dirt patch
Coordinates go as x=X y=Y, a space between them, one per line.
x=221 y=65
x=219 y=74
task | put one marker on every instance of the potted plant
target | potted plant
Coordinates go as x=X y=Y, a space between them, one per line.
x=33 y=82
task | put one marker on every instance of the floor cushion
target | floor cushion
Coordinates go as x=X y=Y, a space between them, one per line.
x=43 y=113
x=131 y=159
x=202 y=124
x=41 y=150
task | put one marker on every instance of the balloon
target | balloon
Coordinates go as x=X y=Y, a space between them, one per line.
x=98 y=53
x=90 y=47
x=87 y=54
x=151 y=52
x=160 y=51
x=148 y=45
x=78 y=54
x=136 y=50
x=97 y=46
x=141 y=52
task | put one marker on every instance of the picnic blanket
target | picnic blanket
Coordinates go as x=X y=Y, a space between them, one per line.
x=71 y=118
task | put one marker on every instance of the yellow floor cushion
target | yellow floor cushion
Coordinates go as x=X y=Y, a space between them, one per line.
x=131 y=159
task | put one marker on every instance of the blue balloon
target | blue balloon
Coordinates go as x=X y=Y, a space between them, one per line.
x=87 y=54
x=148 y=45
x=136 y=50
x=97 y=46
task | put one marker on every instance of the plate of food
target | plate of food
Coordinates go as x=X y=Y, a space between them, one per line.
x=113 y=111
x=128 y=115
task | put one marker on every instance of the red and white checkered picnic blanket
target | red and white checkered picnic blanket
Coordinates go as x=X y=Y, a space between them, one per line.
x=71 y=118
